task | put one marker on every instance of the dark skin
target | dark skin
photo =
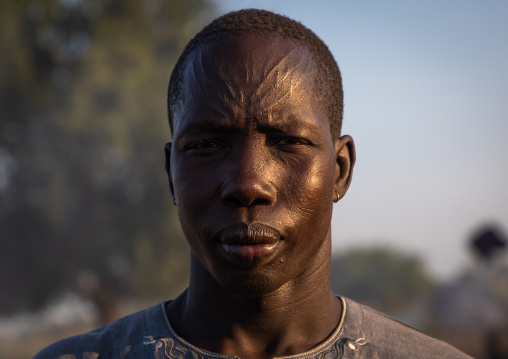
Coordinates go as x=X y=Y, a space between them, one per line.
x=254 y=171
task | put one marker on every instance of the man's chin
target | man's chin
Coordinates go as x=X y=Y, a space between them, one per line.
x=251 y=283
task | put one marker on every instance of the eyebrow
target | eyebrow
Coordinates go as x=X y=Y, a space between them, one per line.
x=289 y=122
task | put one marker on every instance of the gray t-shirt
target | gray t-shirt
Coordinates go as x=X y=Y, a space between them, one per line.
x=362 y=333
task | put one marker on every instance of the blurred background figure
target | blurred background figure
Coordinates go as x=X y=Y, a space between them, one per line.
x=472 y=310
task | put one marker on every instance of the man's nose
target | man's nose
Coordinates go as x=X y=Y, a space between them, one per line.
x=249 y=179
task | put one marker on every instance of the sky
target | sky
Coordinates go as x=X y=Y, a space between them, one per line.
x=426 y=101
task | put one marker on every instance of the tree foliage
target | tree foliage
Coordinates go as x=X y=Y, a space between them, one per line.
x=84 y=203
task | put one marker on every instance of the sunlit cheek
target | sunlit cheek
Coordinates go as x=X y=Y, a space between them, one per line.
x=320 y=177
x=310 y=194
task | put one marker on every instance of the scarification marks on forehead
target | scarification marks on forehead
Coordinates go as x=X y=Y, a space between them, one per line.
x=251 y=72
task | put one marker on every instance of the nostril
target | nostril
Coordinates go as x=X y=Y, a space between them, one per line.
x=259 y=201
x=239 y=197
x=245 y=201
x=233 y=201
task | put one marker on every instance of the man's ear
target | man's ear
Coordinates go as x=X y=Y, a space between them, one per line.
x=167 y=152
x=345 y=157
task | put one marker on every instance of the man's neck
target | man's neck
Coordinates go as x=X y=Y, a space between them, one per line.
x=290 y=320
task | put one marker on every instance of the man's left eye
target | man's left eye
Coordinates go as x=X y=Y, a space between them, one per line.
x=292 y=141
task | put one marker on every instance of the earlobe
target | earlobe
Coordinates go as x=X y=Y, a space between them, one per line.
x=167 y=152
x=345 y=157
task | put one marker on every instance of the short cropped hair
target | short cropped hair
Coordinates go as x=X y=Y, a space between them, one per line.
x=327 y=83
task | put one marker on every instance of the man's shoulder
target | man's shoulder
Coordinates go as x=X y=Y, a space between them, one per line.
x=123 y=338
x=385 y=337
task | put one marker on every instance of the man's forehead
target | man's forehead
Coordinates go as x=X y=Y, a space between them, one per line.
x=253 y=70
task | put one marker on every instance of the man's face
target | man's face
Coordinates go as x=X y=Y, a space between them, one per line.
x=253 y=164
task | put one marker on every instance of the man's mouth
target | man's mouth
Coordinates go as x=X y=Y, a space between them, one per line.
x=248 y=245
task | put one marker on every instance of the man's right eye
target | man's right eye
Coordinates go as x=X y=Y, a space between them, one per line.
x=203 y=146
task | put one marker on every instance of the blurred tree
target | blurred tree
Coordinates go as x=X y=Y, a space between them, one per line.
x=84 y=202
x=381 y=278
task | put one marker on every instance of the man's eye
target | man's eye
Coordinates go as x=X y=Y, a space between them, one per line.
x=203 y=145
x=292 y=141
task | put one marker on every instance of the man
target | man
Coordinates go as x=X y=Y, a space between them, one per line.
x=256 y=163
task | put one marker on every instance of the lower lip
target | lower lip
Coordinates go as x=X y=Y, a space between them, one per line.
x=250 y=254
